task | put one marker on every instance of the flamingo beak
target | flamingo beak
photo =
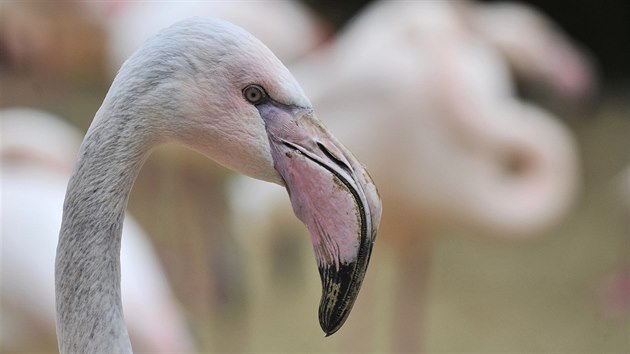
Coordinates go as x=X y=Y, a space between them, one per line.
x=333 y=195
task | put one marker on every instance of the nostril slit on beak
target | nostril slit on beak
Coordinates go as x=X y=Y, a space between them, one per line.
x=334 y=158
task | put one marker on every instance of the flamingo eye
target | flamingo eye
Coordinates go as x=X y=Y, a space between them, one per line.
x=254 y=94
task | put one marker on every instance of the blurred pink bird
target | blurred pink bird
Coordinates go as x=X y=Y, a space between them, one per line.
x=429 y=106
x=38 y=151
x=288 y=28
x=535 y=48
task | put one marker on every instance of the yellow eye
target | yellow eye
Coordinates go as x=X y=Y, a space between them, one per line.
x=254 y=94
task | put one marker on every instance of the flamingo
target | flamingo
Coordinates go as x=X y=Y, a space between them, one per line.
x=291 y=31
x=288 y=28
x=474 y=155
x=457 y=110
x=38 y=150
x=535 y=48
x=209 y=85
x=455 y=147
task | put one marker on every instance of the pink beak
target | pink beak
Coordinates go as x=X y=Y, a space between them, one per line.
x=333 y=195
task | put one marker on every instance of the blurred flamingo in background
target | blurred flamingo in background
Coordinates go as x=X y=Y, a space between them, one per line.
x=429 y=105
x=38 y=152
x=288 y=28
x=55 y=42
x=536 y=49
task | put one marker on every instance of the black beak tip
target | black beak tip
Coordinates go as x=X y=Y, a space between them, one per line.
x=331 y=327
x=340 y=286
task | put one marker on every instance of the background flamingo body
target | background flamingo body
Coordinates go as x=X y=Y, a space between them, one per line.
x=288 y=28
x=430 y=108
x=38 y=151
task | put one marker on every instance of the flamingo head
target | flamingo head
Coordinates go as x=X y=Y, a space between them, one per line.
x=224 y=94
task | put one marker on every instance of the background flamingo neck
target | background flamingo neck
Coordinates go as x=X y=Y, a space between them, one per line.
x=87 y=272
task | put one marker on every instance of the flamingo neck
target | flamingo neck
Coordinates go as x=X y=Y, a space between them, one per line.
x=87 y=273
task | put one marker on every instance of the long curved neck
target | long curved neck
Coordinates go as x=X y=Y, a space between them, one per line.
x=89 y=310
